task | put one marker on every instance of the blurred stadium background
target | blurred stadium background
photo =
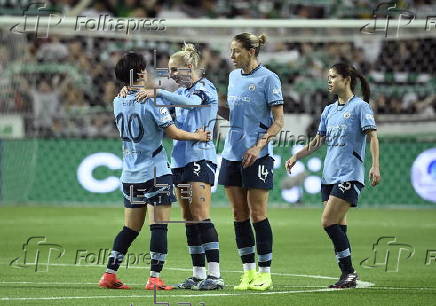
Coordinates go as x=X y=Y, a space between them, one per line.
x=59 y=144
x=59 y=147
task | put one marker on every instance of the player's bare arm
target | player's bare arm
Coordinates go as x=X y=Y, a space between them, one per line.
x=200 y=135
x=311 y=147
x=374 y=172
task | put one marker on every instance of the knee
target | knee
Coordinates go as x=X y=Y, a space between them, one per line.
x=257 y=217
x=240 y=215
x=326 y=221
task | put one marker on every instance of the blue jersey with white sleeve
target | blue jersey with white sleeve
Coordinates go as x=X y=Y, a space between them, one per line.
x=204 y=96
x=250 y=98
x=141 y=129
x=345 y=130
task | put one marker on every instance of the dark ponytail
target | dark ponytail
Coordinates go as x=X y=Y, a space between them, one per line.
x=346 y=70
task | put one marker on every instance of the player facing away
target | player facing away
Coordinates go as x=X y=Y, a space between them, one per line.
x=344 y=127
x=194 y=164
x=146 y=176
x=255 y=112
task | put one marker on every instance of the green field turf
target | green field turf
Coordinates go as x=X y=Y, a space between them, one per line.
x=303 y=262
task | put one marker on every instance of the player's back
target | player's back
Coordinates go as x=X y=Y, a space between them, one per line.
x=141 y=130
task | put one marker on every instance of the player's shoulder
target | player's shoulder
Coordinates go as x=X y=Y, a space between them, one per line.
x=359 y=103
x=328 y=107
x=267 y=72
x=235 y=73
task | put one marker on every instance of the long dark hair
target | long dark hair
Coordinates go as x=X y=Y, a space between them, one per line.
x=346 y=70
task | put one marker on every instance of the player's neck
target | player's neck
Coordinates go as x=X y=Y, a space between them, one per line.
x=250 y=67
x=344 y=97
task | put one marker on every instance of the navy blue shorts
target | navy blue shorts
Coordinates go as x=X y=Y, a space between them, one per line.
x=347 y=191
x=259 y=175
x=159 y=192
x=199 y=171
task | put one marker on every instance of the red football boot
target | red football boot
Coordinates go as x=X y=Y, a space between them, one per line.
x=159 y=283
x=110 y=281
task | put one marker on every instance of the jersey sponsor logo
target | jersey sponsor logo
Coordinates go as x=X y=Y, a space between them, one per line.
x=197 y=169
x=345 y=186
x=262 y=173
x=347 y=115
x=252 y=87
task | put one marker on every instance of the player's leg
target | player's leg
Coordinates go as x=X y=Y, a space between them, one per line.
x=334 y=212
x=134 y=216
x=244 y=233
x=344 y=227
x=258 y=179
x=194 y=242
x=231 y=177
x=158 y=215
x=257 y=201
x=200 y=211
x=158 y=209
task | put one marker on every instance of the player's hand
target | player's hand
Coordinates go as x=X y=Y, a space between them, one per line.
x=290 y=163
x=123 y=92
x=144 y=94
x=374 y=176
x=203 y=135
x=250 y=156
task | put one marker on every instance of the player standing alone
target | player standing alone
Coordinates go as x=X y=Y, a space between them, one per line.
x=344 y=126
x=146 y=177
x=255 y=103
x=194 y=163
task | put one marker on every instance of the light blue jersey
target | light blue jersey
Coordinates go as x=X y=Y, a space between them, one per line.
x=344 y=128
x=250 y=97
x=203 y=93
x=141 y=129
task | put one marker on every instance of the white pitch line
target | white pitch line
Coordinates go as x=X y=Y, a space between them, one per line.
x=165 y=296
x=189 y=270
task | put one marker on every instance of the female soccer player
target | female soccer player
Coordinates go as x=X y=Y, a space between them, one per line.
x=146 y=177
x=194 y=164
x=344 y=126
x=255 y=110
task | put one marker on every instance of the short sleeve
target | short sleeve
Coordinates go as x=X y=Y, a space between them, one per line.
x=366 y=115
x=273 y=90
x=161 y=116
x=322 y=130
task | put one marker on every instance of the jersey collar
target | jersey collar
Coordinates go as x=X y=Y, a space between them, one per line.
x=342 y=105
x=193 y=84
x=252 y=71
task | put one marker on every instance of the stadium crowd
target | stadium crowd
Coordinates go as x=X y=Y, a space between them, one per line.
x=64 y=86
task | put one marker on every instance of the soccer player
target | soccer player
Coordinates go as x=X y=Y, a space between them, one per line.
x=194 y=164
x=146 y=176
x=255 y=112
x=344 y=127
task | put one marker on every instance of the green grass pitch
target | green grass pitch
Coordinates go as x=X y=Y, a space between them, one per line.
x=303 y=262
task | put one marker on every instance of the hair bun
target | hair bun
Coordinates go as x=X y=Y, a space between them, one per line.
x=189 y=47
x=262 y=39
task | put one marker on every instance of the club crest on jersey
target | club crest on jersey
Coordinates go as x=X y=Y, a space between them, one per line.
x=252 y=87
x=347 y=115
